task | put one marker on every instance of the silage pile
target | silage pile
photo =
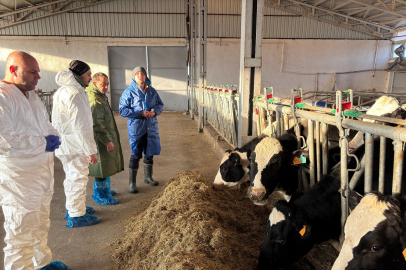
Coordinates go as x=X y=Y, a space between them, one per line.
x=189 y=225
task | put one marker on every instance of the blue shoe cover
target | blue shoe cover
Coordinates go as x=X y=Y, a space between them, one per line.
x=89 y=210
x=56 y=265
x=101 y=193
x=86 y=220
x=112 y=192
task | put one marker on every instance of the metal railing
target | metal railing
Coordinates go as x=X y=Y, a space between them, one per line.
x=47 y=99
x=221 y=109
x=339 y=111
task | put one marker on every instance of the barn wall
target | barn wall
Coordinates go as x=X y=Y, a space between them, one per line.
x=309 y=64
x=54 y=54
x=301 y=62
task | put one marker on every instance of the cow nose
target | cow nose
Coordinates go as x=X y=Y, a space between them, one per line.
x=218 y=186
x=256 y=195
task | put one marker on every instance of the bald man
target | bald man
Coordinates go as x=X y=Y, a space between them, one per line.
x=27 y=143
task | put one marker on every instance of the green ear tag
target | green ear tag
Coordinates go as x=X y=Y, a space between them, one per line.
x=302 y=159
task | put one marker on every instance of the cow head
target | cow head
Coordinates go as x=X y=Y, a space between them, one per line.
x=233 y=170
x=270 y=164
x=287 y=236
x=374 y=238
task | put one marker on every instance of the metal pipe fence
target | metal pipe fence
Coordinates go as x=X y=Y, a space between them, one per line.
x=47 y=99
x=338 y=109
x=221 y=109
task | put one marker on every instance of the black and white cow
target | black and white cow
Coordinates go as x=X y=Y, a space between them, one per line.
x=294 y=227
x=234 y=167
x=375 y=235
x=272 y=167
x=310 y=218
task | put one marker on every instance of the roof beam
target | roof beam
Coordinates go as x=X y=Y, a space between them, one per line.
x=40 y=9
x=337 y=19
x=6 y=7
x=378 y=8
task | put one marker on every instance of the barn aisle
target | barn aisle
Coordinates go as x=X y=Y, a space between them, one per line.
x=87 y=248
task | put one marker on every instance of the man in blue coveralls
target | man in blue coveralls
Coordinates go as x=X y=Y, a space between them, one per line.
x=141 y=104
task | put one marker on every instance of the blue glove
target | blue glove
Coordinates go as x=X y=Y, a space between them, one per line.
x=52 y=143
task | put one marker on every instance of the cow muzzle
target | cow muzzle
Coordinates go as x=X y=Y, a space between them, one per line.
x=256 y=195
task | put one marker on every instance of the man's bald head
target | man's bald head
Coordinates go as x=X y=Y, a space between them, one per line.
x=22 y=70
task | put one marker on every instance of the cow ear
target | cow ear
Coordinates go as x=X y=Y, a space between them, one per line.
x=353 y=199
x=305 y=231
x=301 y=226
x=295 y=158
x=235 y=158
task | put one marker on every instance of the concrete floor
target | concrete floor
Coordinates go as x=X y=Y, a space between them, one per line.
x=88 y=248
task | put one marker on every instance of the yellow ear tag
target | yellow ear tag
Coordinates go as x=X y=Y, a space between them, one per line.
x=296 y=161
x=404 y=253
x=352 y=211
x=303 y=230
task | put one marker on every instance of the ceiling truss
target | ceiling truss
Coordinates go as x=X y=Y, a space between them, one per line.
x=375 y=17
x=46 y=8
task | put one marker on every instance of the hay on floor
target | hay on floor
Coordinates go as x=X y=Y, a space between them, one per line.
x=189 y=225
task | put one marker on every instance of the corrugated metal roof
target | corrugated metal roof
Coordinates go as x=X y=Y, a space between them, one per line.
x=158 y=18
x=281 y=24
x=224 y=19
x=125 y=18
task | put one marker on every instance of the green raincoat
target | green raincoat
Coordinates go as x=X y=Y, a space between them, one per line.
x=105 y=131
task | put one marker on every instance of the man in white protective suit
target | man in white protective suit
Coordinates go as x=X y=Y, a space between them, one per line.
x=27 y=143
x=72 y=117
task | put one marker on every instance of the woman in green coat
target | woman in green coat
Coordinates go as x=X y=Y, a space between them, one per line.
x=107 y=139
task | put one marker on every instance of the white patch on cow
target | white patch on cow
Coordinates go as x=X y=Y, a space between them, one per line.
x=218 y=181
x=276 y=217
x=264 y=151
x=365 y=217
x=283 y=193
x=382 y=106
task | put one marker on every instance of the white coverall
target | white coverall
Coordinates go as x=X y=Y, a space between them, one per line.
x=72 y=117
x=26 y=178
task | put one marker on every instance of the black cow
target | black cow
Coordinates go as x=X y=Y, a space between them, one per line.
x=234 y=167
x=375 y=235
x=294 y=227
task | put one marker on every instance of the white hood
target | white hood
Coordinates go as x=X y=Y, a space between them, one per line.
x=65 y=77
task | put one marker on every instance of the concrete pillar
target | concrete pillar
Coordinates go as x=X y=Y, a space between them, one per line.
x=250 y=65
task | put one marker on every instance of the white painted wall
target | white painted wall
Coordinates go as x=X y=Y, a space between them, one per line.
x=309 y=64
x=54 y=53
x=287 y=64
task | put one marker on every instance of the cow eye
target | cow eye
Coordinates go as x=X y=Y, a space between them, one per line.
x=223 y=169
x=376 y=249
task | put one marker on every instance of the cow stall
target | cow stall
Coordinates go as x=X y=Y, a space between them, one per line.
x=347 y=111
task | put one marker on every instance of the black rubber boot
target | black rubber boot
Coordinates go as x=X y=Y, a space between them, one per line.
x=133 y=180
x=148 y=175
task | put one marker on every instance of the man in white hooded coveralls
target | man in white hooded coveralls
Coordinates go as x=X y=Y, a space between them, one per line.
x=27 y=142
x=72 y=117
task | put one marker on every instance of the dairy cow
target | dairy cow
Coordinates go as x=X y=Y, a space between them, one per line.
x=375 y=235
x=234 y=167
x=294 y=227
x=273 y=168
